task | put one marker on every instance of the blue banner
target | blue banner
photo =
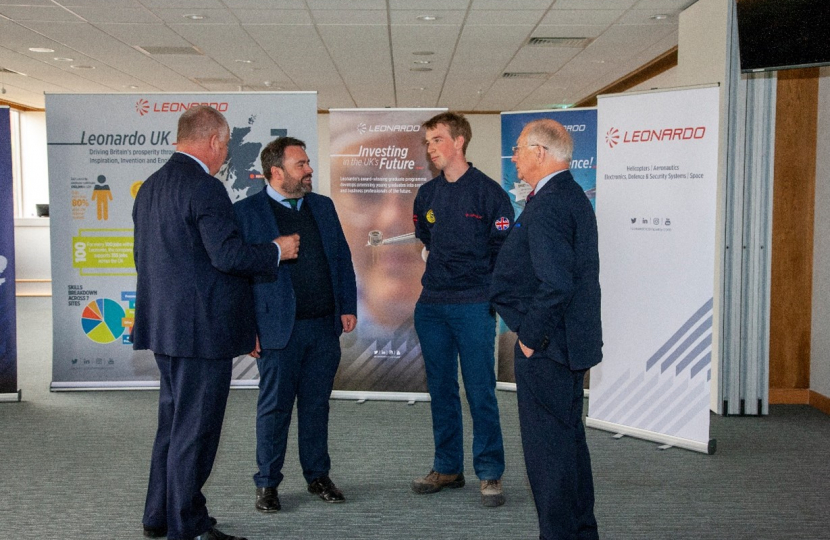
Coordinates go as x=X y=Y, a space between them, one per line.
x=8 y=320
x=582 y=125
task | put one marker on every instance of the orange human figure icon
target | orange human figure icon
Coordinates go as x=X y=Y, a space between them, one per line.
x=102 y=195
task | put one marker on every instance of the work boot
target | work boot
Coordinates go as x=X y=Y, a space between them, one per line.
x=435 y=482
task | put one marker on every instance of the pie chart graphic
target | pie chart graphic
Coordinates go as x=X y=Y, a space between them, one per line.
x=101 y=320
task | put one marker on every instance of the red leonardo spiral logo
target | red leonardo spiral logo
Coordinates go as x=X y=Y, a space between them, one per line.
x=612 y=137
x=142 y=107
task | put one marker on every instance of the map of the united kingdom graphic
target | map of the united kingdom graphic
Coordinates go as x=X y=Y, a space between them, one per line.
x=240 y=172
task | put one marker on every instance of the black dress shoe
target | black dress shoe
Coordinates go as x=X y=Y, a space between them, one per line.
x=267 y=500
x=216 y=534
x=324 y=488
x=161 y=532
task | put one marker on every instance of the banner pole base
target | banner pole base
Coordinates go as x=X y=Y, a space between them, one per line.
x=667 y=440
x=12 y=397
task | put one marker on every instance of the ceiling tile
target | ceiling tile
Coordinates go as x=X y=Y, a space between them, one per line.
x=37 y=13
x=342 y=5
x=512 y=4
x=427 y=5
x=353 y=16
x=408 y=16
x=273 y=16
x=527 y=18
x=585 y=17
x=116 y=15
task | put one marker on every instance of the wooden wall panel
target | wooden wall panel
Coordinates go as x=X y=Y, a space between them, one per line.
x=792 y=230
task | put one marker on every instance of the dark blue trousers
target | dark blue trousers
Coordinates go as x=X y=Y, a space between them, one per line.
x=192 y=399
x=556 y=454
x=304 y=370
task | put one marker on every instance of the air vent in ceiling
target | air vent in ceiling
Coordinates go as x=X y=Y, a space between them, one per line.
x=571 y=42
x=155 y=51
x=524 y=75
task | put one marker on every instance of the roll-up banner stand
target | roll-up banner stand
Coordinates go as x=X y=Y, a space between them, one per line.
x=656 y=211
x=378 y=162
x=101 y=148
x=582 y=125
x=8 y=313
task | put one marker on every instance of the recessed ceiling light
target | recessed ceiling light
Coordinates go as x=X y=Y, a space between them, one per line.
x=131 y=86
x=427 y=18
x=420 y=69
x=41 y=49
x=419 y=88
x=421 y=62
x=82 y=67
x=423 y=53
x=62 y=59
x=194 y=17
x=598 y=61
x=659 y=17
x=243 y=61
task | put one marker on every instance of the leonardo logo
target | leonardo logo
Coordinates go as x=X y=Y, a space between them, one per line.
x=142 y=106
x=612 y=137
x=361 y=128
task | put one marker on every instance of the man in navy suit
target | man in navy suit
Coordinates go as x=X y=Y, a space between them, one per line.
x=300 y=314
x=193 y=301
x=546 y=288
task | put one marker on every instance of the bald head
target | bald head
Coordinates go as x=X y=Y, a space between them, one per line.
x=204 y=134
x=199 y=123
x=553 y=136
x=544 y=147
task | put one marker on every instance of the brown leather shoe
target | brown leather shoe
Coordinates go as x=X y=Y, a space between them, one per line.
x=435 y=481
x=267 y=500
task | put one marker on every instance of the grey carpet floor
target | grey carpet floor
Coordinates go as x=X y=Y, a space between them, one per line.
x=74 y=465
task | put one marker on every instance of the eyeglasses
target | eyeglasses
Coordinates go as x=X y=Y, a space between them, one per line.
x=516 y=148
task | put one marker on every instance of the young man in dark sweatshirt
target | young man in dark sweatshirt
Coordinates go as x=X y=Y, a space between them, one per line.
x=462 y=216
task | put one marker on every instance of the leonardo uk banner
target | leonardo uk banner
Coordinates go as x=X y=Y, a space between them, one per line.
x=8 y=317
x=657 y=180
x=101 y=148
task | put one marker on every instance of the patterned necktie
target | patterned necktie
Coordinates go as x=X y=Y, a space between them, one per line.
x=530 y=196
x=292 y=202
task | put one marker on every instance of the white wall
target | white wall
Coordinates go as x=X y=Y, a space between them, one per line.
x=820 y=346
x=33 y=165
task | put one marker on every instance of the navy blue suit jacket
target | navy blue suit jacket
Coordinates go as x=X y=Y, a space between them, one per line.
x=193 y=296
x=546 y=281
x=274 y=297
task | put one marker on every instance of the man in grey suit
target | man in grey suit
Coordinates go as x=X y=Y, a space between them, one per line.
x=546 y=288
x=193 y=311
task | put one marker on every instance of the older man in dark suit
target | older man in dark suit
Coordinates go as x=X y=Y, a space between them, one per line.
x=193 y=310
x=300 y=315
x=546 y=288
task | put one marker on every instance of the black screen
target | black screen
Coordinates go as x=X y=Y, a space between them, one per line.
x=783 y=34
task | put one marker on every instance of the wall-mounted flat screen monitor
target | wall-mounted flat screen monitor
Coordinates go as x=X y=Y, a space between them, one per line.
x=783 y=34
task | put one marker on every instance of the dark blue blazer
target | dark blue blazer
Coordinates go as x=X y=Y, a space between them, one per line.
x=193 y=296
x=546 y=281
x=274 y=297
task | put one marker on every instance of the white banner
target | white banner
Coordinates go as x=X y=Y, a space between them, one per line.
x=101 y=148
x=657 y=167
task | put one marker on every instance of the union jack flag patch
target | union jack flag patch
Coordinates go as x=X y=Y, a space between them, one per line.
x=502 y=223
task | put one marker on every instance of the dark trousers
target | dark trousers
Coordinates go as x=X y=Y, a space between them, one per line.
x=556 y=454
x=192 y=399
x=304 y=370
